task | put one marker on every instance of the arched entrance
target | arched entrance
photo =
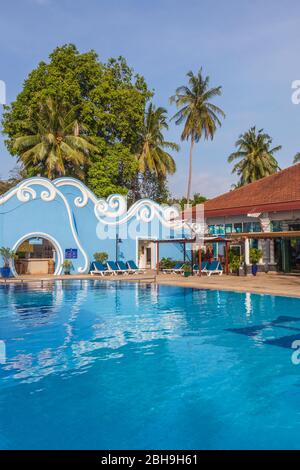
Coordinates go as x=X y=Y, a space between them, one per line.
x=37 y=253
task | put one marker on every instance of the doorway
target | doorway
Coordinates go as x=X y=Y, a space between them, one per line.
x=146 y=254
x=36 y=255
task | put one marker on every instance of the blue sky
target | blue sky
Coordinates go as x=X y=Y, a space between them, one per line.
x=251 y=48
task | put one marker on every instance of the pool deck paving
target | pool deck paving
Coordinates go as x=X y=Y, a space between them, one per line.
x=274 y=284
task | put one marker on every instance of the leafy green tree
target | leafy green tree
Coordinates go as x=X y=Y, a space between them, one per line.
x=151 y=186
x=110 y=100
x=52 y=145
x=153 y=156
x=196 y=199
x=112 y=171
x=199 y=116
x=15 y=176
x=256 y=156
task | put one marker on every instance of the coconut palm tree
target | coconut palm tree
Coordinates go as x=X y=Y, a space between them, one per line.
x=200 y=117
x=53 y=146
x=296 y=158
x=153 y=157
x=256 y=156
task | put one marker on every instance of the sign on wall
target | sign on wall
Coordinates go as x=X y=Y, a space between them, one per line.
x=71 y=253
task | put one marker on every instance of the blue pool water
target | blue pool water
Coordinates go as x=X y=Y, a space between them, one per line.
x=87 y=365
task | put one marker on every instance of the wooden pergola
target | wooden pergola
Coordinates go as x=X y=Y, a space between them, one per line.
x=184 y=241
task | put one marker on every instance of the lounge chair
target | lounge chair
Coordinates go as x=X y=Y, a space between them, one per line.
x=203 y=267
x=99 y=268
x=133 y=267
x=213 y=268
x=113 y=268
x=124 y=268
x=175 y=269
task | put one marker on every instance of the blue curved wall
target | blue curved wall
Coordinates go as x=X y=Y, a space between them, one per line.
x=66 y=210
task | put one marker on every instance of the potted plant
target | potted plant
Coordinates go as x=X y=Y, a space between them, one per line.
x=67 y=267
x=255 y=255
x=7 y=255
x=234 y=262
x=101 y=256
x=186 y=270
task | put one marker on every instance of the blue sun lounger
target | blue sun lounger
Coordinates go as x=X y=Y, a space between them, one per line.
x=134 y=269
x=176 y=269
x=114 y=268
x=203 y=267
x=99 y=268
x=214 y=267
x=124 y=268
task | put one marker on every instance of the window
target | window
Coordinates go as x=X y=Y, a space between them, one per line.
x=247 y=227
x=251 y=227
x=238 y=228
x=276 y=226
x=228 y=228
x=220 y=230
x=256 y=227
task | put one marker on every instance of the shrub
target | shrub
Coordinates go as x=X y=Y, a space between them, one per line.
x=255 y=255
x=101 y=256
x=7 y=255
x=187 y=268
x=167 y=263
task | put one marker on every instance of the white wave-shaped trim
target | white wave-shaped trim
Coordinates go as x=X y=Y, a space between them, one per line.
x=111 y=211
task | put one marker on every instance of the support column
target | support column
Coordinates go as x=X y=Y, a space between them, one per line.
x=261 y=247
x=157 y=257
x=226 y=259
x=266 y=252
x=272 y=261
x=247 y=252
x=272 y=251
x=200 y=260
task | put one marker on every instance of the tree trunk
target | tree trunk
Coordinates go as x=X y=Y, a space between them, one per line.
x=190 y=171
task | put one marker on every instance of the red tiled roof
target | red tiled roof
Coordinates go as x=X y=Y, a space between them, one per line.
x=277 y=192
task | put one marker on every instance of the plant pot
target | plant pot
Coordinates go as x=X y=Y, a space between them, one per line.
x=186 y=274
x=5 y=272
x=67 y=273
x=254 y=269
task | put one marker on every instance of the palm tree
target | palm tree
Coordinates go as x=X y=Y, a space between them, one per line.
x=153 y=157
x=53 y=146
x=255 y=155
x=199 y=115
x=296 y=158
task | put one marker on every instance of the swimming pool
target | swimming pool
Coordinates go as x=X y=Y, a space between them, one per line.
x=92 y=364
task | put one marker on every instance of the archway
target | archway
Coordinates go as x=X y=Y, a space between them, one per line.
x=38 y=253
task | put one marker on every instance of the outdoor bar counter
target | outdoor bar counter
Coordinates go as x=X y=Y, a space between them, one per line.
x=35 y=266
